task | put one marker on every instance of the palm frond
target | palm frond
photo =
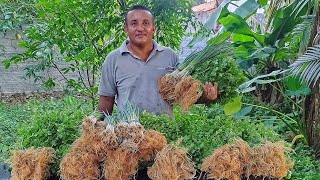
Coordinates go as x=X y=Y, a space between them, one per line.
x=300 y=5
x=210 y=52
x=303 y=31
x=308 y=65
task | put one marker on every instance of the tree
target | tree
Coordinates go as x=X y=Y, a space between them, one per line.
x=308 y=67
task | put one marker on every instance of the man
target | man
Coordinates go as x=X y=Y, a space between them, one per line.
x=132 y=71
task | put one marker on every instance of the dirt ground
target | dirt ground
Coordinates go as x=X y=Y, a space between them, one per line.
x=16 y=98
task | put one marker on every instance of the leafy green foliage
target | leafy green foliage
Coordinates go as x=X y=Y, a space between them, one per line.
x=247 y=8
x=13 y=14
x=70 y=32
x=56 y=123
x=285 y=120
x=172 y=19
x=234 y=23
x=10 y=118
x=204 y=129
x=53 y=124
x=247 y=86
x=283 y=22
x=231 y=20
x=233 y=106
x=296 y=87
x=306 y=166
x=223 y=70
x=80 y=34
x=261 y=52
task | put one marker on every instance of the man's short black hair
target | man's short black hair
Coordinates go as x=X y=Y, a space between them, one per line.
x=137 y=7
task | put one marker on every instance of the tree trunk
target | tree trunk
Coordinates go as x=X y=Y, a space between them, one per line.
x=312 y=118
x=312 y=102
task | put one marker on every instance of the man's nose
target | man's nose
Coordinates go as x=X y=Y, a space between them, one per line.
x=140 y=27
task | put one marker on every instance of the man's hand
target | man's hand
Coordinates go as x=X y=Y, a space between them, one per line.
x=210 y=91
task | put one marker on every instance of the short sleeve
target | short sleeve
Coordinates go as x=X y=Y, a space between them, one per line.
x=175 y=59
x=107 y=86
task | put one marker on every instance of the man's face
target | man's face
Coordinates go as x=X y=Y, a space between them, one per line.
x=140 y=27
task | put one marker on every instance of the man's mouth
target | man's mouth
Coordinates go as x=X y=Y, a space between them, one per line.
x=140 y=35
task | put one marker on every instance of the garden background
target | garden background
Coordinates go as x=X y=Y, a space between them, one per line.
x=62 y=45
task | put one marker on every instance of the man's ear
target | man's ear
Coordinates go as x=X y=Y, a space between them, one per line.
x=154 y=29
x=125 y=29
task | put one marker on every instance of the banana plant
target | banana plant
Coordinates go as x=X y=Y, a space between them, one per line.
x=268 y=47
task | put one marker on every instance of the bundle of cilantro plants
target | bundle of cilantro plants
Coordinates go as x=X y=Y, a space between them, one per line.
x=214 y=63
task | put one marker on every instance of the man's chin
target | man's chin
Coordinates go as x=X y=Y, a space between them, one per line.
x=142 y=42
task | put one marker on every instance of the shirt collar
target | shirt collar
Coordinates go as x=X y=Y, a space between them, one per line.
x=123 y=48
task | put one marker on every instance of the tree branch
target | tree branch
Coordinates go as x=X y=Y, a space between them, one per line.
x=88 y=77
x=80 y=76
x=85 y=33
x=58 y=69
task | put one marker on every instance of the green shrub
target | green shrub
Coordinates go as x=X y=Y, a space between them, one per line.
x=10 y=117
x=55 y=124
x=202 y=130
x=306 y=166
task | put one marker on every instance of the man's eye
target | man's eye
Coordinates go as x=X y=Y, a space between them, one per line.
x=146 y=23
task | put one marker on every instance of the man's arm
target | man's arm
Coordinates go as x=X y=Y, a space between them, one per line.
x=106 y=104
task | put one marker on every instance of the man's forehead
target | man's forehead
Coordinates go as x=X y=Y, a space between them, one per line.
x=135 y=14
x=137 y=19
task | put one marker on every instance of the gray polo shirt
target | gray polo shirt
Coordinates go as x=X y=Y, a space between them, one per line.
x=130 y=79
